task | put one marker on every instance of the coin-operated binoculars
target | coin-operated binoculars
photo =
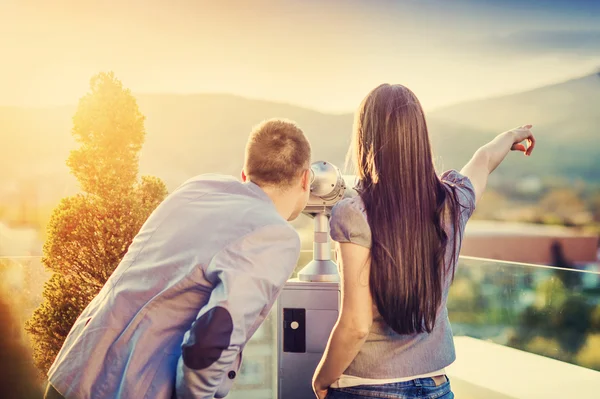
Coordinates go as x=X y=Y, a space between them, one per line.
x=308 y=305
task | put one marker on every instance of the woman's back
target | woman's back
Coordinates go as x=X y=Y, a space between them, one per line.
x=387 y=355
x=398 y=244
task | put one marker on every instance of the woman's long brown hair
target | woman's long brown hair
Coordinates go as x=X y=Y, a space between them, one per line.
x=407 y=206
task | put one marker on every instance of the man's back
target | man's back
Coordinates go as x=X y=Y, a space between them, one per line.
x=128 y=341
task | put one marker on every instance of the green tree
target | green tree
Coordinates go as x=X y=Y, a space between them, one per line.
x=551 y=293
x=572 y=323
x=595 y=320
x=557 y=324
x=89 y=233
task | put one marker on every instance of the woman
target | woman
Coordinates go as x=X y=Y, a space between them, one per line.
x=397 y=248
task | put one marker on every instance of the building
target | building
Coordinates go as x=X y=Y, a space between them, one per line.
x=529 y=243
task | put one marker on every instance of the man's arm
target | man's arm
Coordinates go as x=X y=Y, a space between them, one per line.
x=247 y=276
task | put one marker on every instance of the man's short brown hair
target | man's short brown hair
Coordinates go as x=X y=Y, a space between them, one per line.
x=276 y=154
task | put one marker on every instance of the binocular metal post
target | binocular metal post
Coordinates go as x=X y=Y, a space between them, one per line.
x=321 y=268
x=308 y=306
x=307 y=311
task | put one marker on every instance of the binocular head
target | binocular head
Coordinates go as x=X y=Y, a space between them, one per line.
x=327 y=187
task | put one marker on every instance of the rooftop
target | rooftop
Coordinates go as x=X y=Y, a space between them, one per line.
x=514 y=229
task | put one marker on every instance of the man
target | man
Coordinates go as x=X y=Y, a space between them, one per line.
x=196 y=283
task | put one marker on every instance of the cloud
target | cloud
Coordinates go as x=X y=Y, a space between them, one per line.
x=547 y=42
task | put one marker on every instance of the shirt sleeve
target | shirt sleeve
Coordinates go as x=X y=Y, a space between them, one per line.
x=465 y=193
x=247 y=278
x=349 y=224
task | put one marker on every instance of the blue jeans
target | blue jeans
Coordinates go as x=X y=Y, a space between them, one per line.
x=421 y=388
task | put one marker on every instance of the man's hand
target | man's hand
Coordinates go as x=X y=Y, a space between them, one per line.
x=521 y=134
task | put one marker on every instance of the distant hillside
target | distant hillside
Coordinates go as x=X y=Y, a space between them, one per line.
x=193 y=134
x=566 y=119
x=186 y=135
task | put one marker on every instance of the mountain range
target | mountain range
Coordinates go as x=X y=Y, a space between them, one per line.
x=201 y=133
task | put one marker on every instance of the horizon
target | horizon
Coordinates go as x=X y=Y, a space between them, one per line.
x=290 y=52
x=343 y=112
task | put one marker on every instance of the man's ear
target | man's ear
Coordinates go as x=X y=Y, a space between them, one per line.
x=244 y=177
x=306 y=180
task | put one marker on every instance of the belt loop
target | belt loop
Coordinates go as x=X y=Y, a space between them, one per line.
x=417 y=382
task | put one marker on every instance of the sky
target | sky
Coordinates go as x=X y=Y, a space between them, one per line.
x=324 y=55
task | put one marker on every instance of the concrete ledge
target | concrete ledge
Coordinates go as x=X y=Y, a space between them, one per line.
x=491 y=371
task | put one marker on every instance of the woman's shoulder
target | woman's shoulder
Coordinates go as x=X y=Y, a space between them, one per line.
x=453 y=177
x=463 y=190
x=349 y=205
x=348 y=222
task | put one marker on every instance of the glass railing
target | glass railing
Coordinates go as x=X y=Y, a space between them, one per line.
x=547 y=311
x=541 y=310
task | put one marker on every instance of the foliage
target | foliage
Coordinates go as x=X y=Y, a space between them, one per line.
x=65 y=297
x=544 y=346
x=557 y=324
x=551 y=294
x=110 y=129
x=594 y=206
x=589 y=355
x=562 y=202
x=595 y=320
x=89 y=233
x=467 y=296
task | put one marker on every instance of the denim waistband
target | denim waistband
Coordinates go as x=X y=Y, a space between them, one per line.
x=417 y=382
x=417 y=388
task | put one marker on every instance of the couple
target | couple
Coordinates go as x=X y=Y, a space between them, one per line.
x=208 y=264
